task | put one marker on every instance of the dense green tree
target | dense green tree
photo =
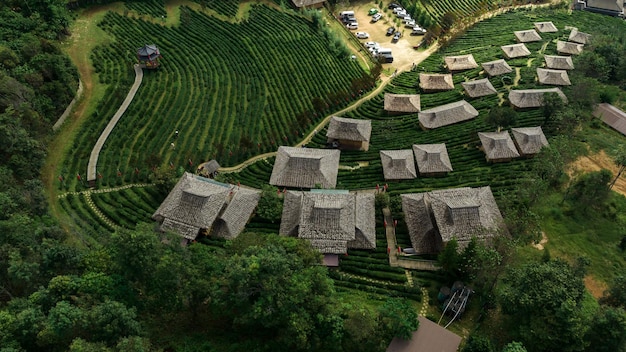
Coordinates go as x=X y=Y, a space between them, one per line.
x=449 y=259
x=514 y=347
x=478 y=343
x=270 y=205
x=397 y=319
x=608 y=330
x=591 y=189
x=616 y=294
x=501 y=117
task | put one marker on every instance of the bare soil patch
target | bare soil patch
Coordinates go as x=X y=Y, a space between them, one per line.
x=542 y=242
x=596 y=288
x=597 y=162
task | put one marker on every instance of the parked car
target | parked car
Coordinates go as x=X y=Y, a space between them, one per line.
x=397 y=9
x=371 y=45
x=362 y=35
x=396 y=37
x=377 y=17
x=393 y=5
x=417 y=30
x=390 y=31
x=387 y=58
x=353 y=25
x=401 y=14
x=372 y=11
x=410 y=23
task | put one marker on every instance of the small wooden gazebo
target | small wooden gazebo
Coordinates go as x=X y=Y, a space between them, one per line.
x=149 y=55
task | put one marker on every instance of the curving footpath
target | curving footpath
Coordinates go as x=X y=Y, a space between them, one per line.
x=95 y=152
x=69 y=108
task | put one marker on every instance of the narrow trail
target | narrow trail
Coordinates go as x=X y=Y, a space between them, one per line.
x=69 y=108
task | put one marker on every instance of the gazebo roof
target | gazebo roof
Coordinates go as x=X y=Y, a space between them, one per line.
x=432 y=158
x=579 y=37
x=532 y=98
x=529 y=140
x=545 y=27
x=568 y=48
x=408 y=103
x=436 y=81
x=478 y=88
x=305 y=167
x=527 y=36
x=398 y=164
x=553 y=77
x=497 y=67
x=498 y=145
x=447 y=114
x=461 y=62
x=559 y=62
x=515 y=50
x=148 y=52
x=349 y=129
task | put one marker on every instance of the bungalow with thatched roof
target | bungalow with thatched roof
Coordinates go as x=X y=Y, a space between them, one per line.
x=305 y=167
x=545 y=27
x=478 y=88
x=428 y=337
x=460 y=63
x=579 y=37
x=553 y=77
x=532 y=98
x=559 y=62
x=496 y=68
x=527 y=36
x=498 y=146
x=436 y=217
x=611 y=116
x=568 y=48
x=208 y=169
x=398 y=164
x=200 y=205
x=529 y=140
x=402 y=103
x=308 y=4
x=606 y=7
x=432 y=159
x=349 y=134
x=333 y=220
x=515 y=50
x=447 y=114
x=436 y=82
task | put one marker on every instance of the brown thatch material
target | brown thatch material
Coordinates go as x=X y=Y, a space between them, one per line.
x=424 y=236
x=498 y=146
x=447 y=114
x=398 y=164
x=460 y=63
x=305 y=167
x=497 y=67
x=409 y=103
x=532 y=98
x=331 y=221
x=579 y=37
x=432 y=159
x=568 y=48
x=553 y=77
x=615 y=6
x=478 y=88
x=515 y=50
x=429 y=337
x=436 y=82
x=197 y=203
x=559 y=62
x=350 y=133
x=546 y=27
x=308 y=3
x=529 y=140
x=527 y=36
x=612 y=116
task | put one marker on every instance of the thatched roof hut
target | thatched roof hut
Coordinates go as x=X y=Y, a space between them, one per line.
x=553 y=77
x=460 y=63
x=612 y=116
x=532 y=98
x=350 y=133
x=559 y=62
x=606 y=7
x=447 y=114
x=546 y=27
x=332 y=220
x=498 y=146
x=208 y=169
x=496 y=68
x=529 y=140
x=432 y=159
x=568 y=48
x=579 y=37
x=436 y=82
x=305 y=167
x=402 y=103
x=478 y=88
x=197 y=203
x=527 y=36
x=424 y=236
x=515 y=50
x=398 y=164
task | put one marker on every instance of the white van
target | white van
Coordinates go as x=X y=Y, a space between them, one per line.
x=346 y=13
x=384 y=51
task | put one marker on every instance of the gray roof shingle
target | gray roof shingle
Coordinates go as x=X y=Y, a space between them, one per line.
x=532 y=98
x=349 y=129
x=559 y=62
x=432 y=158
x=479 y=88
x=568 y=48
x=546 y=27
x=527 y=36
x=553 y=77
x=497 y=67
x=498 y=145
x=460 y=62
x=398 y=164
x=515 y=50
x=305 y=167
x=529 y=140
x=447 y=114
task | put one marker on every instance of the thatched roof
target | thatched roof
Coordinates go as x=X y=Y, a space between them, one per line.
x=306 y=3
x=579 y=37
x=432 y=158
x=460 y=63
x=332 y=221
x=568 y=48
x=559 y=62
x=497 y=67
x=436 y=81
x=532 y=98
x=529 y=140
x=424 y=236
x=208 y=168
x=527 y=36
x=349 y=129
x=447 y=114
x=478 y=88
x=398 y=164
x=305 y=167
x=498 y=145
x=402 y=102
x=553 y=77
x=428 y=337
x=515 y=50
x=609 y=5
x=612 y=116
x=198 y=203
x=545 y=27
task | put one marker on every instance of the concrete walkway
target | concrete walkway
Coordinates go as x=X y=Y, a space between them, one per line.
x=396 y=259
x=95 y=152
x=69 y=108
